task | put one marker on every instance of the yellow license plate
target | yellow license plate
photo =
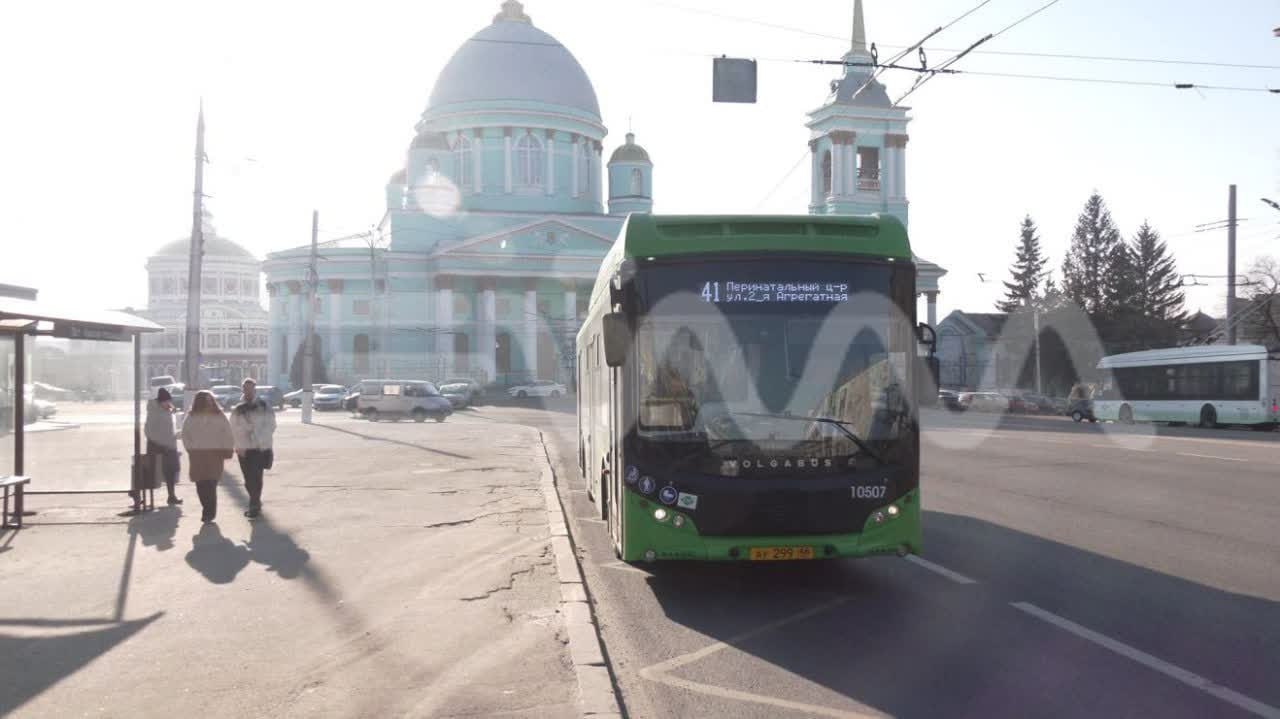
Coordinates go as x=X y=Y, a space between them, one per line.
x=775 y=554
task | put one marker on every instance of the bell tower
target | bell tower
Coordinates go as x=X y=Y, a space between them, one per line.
x=858 y=140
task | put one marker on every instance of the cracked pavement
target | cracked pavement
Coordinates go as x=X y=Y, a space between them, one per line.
x=400 y=569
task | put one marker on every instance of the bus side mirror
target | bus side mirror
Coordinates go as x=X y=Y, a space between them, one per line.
x=617 y=339
x=928 y=337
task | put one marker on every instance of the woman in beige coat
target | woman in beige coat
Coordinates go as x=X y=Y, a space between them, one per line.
x=206 y=434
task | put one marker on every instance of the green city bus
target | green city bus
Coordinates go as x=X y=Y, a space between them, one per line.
x=747 y=389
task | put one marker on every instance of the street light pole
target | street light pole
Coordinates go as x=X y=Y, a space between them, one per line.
x=309 y=345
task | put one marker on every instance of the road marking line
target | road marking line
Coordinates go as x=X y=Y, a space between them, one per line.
x=1211 y=456
x=1191 y=679
x=660 y=672
x=956 y=577
x=623 y=567
x=1118 y=446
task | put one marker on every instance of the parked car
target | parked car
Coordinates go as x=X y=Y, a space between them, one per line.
x=984 y=401
x=328 y=397
x=397 y=399
x=474 y=391
x=228 y=395
x=1018 y=404
x=44 y=409
x=272 y=395
x=459 y=394
x=1060 y=405
x=1039 y=404
x=351 y=401
x=294 y=398
x=540 y=388
x=1081 y=409
x=950 y=399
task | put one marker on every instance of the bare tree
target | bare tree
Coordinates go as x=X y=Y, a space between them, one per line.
x=1264 y=322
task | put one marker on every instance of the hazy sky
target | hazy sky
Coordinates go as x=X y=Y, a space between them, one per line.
x=311 y=105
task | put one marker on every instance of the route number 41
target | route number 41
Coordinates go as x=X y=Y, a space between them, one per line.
x=711 y=292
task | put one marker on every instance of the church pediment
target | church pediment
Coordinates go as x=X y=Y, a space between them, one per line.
x=544 y=238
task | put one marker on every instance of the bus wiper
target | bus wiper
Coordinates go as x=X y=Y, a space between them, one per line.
x=842 y=426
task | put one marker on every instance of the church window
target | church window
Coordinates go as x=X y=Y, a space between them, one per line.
x=213 y=341
x=234 y=340
x=360 y=347
x=584 y=168
x=229 y=286
x=248 y=288
x=465 y=165
x=826 y=172
x=529 y=155
x=868 y=168
x=168 y=285
x=637 y=183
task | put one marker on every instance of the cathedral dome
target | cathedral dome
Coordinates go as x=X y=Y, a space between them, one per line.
x=511 y=61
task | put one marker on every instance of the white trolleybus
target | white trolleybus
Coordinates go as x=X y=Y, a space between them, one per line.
x=1210 y=386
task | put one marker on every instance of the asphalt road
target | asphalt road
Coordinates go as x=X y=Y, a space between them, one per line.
x=1069 y=570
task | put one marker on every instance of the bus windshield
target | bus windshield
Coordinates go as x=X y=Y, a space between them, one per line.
x=730 y=377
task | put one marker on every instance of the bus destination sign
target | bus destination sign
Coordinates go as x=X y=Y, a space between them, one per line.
x=775 y=292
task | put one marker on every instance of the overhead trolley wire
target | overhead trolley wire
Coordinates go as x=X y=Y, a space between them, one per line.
x=1011 y=53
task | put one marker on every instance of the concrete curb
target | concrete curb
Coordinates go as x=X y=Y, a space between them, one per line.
x=596 y=697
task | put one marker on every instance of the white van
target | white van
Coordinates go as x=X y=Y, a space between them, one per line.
x=398 y=399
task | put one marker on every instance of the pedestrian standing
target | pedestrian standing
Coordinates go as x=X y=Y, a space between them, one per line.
x=207 y=436
x=253 y=422
x=162 y=441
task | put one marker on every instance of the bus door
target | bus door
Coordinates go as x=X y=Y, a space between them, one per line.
x=613 y=496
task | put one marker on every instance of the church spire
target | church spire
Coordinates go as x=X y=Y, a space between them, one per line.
x=513 y=11
x=859 y=29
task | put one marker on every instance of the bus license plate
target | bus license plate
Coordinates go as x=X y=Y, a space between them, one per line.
x=774 y=554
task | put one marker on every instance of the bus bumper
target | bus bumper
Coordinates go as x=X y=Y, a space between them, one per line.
x=657 y=533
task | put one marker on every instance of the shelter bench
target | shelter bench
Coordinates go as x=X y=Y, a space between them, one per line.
x=16 y=486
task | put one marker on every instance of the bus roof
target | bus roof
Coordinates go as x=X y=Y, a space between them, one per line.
x=664 y=235
x=1184 y=355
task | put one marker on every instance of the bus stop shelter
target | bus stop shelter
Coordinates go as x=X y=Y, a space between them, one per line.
x=21 y=319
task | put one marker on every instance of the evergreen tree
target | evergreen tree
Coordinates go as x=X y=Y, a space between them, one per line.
x=1120 y=291
x=1088 y=264
x=1158 y=288
x=318 y=374
x=1028 y=265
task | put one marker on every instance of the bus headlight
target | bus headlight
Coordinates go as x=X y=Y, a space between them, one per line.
x=893 y=510
x=660 y=514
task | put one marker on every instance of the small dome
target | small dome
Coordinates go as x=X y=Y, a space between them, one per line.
x=511 y=61
x=214 y=246
x=430 y=141
x=630 y=152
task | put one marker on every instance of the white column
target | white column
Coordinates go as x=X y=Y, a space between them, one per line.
x=551 y=165
x=837 y=169
x=506 y=163
x=900 y=175
x=477 y=162
x=573 y=166
x=444 y=325
x=888 y=170
x=530 y=340
x=295 y=331
x=932 y=299
x=335 y=330
x=851 y=169
x=275 y=338
x=488 y=331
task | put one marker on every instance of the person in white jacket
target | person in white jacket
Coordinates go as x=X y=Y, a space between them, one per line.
x=253 y=425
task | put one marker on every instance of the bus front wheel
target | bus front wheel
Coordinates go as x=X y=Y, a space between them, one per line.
x=1208 y=417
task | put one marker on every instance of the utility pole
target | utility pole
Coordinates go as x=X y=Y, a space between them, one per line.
x=309 y=345
x=374 y=339
x=194 y=269
x=1231 y=263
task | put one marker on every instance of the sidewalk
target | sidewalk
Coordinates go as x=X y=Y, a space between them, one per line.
x=399 y=569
